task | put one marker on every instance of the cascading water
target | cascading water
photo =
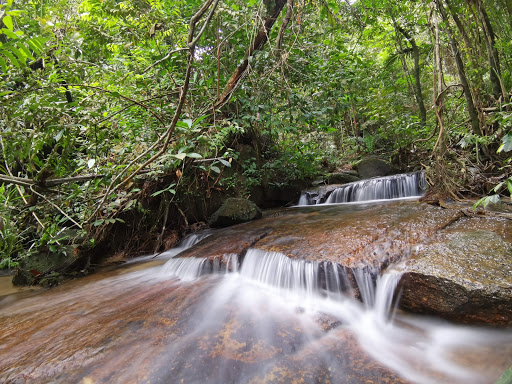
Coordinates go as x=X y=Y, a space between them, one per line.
x=190 y=268
x=381 y=188
x=307 y=278
x=255 y=316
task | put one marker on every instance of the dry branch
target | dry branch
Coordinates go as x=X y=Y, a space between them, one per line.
x=45 y=183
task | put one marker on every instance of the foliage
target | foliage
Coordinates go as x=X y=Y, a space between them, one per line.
x=90 y=89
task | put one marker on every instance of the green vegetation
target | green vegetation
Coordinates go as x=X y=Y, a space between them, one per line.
x=146 y=111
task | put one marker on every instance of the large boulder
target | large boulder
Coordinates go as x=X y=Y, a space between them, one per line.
x=373 y=167
x=464 y=277
x=342 y=177
x=235 y=211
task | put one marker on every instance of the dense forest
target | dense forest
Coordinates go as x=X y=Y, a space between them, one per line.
x=123 y=123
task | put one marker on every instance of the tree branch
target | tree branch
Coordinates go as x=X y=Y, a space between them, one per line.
x=170 y=130
x=45 y=183
x=284 y=25
x=258 y=42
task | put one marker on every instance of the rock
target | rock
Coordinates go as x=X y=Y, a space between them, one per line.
x=342 y=178
x=373 y=167
x=235 y=211
x=320 y=194
x=465 y=277
x=22 y=277
x=33 y=269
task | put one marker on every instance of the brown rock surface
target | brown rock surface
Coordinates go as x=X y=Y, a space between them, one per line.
x=465 y=274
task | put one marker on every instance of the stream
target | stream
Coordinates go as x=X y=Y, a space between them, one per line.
x=272 y=301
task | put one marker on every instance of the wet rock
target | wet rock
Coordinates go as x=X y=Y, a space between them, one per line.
x=235 y=211
x=355 y=237
x=229 y=241
x=373 y=167
x=22 y=277
x=465 y=277
x=320 y=194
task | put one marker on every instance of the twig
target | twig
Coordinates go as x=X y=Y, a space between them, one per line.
x=17 y=186
x=55 y=206
x=45 y=183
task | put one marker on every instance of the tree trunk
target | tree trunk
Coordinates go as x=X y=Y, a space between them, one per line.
x=492 y=52
x=416 y=74
x=284 y=25
x=273 y=10
x=473 y=114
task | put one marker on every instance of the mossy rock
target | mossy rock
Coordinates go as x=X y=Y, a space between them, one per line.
x=235 y=211
x=342 y=177
x=37 y=267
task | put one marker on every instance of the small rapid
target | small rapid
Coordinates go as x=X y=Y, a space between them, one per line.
x=215 y=315
x=400 y=186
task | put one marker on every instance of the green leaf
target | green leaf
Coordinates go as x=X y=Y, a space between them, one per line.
x=497 y=187
x=21 y=56
x=507 y=143
x=215 y=169
x=180 y=156
x=225 y=163
x=13 y=60
x=9 y=33
x=34 y=47
x=506 y=378
x=3 y=64
x=509 y=186
x=194 y=155
x=188 y=122
x=98 y=222
x=15 y=12
x=8 y=22
x=200 y=119
x=91 y=163
x=5 y=93
x=39 y=42
x=58 y=136
x=164 y=190
x=25 y=50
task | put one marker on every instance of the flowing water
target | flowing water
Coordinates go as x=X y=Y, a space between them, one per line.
x=255 y=316
x=380 y=188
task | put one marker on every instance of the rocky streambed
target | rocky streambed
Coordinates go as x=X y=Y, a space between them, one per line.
x=143 y=324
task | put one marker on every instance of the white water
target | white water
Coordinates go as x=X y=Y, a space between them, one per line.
x=190 y=268
x=381 y=188
x=266 y=312
x=186 y=243
x=420 y=350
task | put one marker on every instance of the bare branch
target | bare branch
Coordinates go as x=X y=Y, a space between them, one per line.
x=46 y=183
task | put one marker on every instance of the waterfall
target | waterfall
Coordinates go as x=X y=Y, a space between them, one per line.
x=187 y=243
x=381 y=188
x=314 y=279
x=190 y=268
